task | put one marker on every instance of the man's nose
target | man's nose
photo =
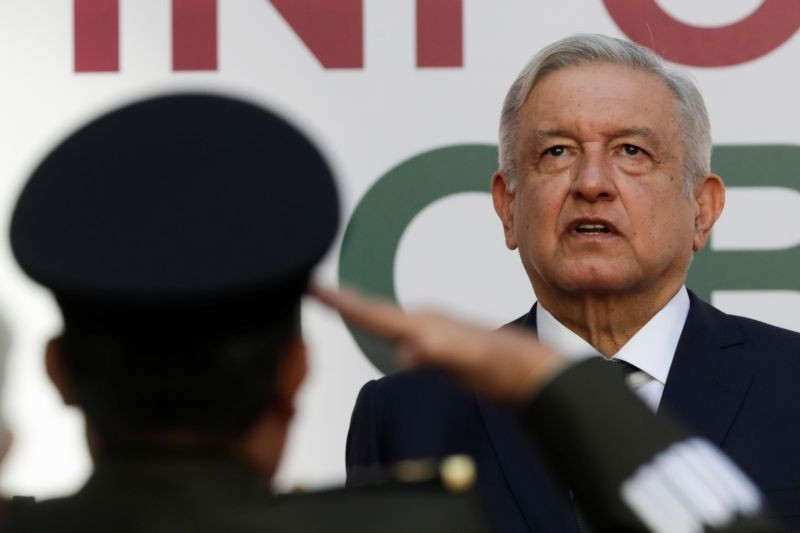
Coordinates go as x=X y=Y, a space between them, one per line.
x=593 y=179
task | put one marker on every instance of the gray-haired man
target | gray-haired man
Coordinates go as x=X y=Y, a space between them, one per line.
x=605 y=189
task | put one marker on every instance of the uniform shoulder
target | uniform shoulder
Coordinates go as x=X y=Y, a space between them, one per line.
x=393 y=508
x=67 y=514
x=389 y=508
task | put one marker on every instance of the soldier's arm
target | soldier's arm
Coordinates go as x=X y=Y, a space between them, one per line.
x=628 y=469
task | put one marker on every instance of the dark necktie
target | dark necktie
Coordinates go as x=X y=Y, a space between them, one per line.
x=630 y=374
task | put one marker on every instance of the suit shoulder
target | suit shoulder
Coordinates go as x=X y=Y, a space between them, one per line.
x=397 y=410
x=517 y=322
x=778 y=348
x=735 y=328
x=767 y=332
x=417 y=382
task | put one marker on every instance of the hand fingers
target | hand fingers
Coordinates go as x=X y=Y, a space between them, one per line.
x=375 y=316
x=407 y=355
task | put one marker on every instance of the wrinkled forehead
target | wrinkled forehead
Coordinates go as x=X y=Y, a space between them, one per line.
x=600 y=98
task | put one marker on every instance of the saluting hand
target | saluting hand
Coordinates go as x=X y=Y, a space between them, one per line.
x=506 y=365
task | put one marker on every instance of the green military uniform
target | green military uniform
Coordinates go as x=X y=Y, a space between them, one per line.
x=595 y=434
x=213 y=494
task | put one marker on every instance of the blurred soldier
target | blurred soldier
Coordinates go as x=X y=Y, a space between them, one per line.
x=177 y=236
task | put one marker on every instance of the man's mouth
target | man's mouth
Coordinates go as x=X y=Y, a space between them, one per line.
x=592 y=229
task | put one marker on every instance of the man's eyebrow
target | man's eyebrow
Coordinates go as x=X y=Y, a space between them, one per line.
x=546 y=135
x=543 y=136
x=644 y=133
x=538 y=136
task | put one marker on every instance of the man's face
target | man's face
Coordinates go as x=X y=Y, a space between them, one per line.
x=599 y=205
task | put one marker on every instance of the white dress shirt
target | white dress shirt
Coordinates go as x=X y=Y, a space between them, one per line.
x=650 y=350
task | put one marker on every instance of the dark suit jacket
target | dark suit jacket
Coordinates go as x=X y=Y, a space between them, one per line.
x=733 y=380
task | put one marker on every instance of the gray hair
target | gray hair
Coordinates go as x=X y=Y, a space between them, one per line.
x=590 y=48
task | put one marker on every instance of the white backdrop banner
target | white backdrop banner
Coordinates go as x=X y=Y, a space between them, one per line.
x=404 y=98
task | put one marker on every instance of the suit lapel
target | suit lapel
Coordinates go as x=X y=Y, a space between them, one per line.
x=709 y=377
x=542 y=503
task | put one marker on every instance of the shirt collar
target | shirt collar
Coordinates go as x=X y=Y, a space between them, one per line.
x=651 y=349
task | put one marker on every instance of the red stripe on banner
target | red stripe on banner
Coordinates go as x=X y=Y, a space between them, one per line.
x=333 y=30
x=440 y=33
x=645 y=22
x=194 y=34
x=96 y=40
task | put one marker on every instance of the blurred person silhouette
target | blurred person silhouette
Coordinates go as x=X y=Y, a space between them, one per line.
x=177 y=235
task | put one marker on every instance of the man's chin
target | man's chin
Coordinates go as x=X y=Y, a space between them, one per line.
x=598 y=283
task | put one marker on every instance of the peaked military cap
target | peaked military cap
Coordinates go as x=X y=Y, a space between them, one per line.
x=184 y=198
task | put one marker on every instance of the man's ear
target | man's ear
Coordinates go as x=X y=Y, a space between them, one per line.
x=292 y=372
x=57 y=371
x=709 y=197
x=503 y=198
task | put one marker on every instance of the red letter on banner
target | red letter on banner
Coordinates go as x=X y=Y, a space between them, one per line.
x=96 y=40
x=767 y=28
x=194 y=34
x=332 y=29
x=440 y=33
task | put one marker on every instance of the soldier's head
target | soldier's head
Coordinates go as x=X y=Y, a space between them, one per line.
x=177 y=235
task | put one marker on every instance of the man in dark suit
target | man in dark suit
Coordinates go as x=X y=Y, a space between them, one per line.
x=628 y=469
x=177 y=235
x=605 y=188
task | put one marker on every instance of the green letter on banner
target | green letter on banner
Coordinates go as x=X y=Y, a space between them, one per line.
x=740 y=270
x=383 y=214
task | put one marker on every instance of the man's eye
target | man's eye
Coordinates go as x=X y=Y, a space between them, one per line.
x=556 y=151
x=631 y=149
